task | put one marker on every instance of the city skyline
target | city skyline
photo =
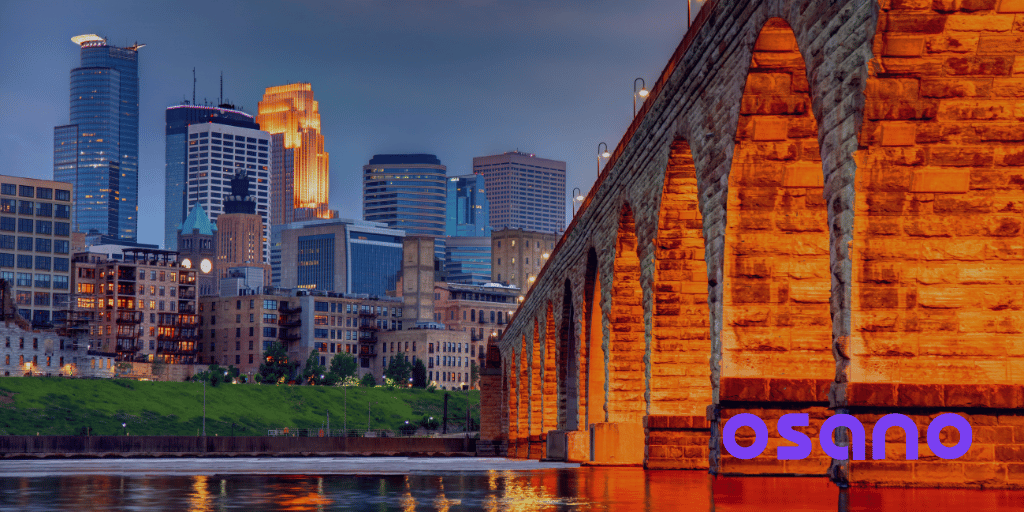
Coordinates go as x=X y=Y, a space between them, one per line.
x=456 y=80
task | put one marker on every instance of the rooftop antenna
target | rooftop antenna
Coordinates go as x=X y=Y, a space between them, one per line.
x=193 y=86
x=221 y=102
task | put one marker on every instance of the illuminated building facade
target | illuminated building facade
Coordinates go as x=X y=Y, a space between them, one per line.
x=300 y=163
x=98 y=150
x=524 y=191
x=215 y=153
x=518 y=255
x=35 y=240
x=135 y=304
x=179 y=118
x=239 y=241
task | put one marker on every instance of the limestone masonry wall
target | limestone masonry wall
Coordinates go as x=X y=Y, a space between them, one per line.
x=820 y=209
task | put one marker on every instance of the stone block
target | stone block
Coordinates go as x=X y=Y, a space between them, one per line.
x=803 y=175
x=904 y=46
x=770 y=128
x=941 y=181
x=898 y=133
x=617 y=443
x=577 y=444
x=1010 y=6
x=979 y=23
x=743 y=389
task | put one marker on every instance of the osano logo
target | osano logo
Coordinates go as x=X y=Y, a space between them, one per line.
x=803 y=443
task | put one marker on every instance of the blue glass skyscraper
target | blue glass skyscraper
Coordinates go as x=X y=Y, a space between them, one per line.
x=407 y=192
x=98 y=151
x=468 y=213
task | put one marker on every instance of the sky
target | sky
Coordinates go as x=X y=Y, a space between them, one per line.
x=455 y=78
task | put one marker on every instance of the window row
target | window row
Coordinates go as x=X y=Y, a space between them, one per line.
x=10 y=189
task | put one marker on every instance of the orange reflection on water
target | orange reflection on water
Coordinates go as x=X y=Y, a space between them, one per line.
x=199 y=498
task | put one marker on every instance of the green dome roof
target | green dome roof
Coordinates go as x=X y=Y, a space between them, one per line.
x=197 y=220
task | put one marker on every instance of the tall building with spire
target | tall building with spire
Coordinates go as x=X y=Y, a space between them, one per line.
x=97 y=152
x=300 y=174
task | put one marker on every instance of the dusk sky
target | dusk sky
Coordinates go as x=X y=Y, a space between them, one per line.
x=457 y=79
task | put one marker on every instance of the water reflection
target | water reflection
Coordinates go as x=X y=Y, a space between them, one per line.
x=629 y=489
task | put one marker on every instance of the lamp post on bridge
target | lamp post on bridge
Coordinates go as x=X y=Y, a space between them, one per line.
x=600 y=155
x=643 y=92
x=577 y=197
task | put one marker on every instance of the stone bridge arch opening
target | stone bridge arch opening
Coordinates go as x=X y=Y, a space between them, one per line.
x=568 y=364
x=592 y=353
x=776 y=334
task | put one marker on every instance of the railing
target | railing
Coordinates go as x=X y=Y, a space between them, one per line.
x=352 y=432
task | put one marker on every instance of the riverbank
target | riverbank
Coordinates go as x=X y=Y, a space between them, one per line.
x=69 y=407
x=37 y=447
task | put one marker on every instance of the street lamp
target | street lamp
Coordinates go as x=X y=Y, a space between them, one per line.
x=643 y=92
x=600 y=155
x=125 y=427
x=577 y=197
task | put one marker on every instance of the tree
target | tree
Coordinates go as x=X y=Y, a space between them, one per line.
x=419 y=374
x=368 y=381
x=275 y=366
x=313 y=369
x=214 y=374
x=399 y=370
x=474 y=374
x=343 y=366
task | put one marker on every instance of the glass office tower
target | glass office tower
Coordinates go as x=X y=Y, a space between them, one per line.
x=406 y=192
x=178 y=118
x=97 y=152
x=468 y=213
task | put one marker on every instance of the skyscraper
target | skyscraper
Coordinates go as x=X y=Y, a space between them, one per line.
x=98 y=151
x=179 y=117
x=468 y=212
x=300 y=163
x=215 y=153
x=406 y=192
x=524 y=191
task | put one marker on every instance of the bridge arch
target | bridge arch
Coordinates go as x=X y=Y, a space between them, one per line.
x=680 y=338
x=626 y=403
x=776 y=318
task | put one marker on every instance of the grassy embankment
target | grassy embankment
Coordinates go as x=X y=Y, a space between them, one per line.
x=52 y=406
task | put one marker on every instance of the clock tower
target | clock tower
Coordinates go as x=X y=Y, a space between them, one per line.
x=196 y=250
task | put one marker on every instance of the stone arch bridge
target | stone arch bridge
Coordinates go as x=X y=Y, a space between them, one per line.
x=817 y=210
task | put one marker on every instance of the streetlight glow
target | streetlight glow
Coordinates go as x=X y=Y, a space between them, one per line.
x=642 y=93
